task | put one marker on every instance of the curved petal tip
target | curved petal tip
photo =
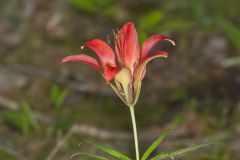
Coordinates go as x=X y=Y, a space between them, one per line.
x=66 y=59
x=171 y=41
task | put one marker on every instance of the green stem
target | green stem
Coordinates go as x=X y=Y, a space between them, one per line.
x=134 y=131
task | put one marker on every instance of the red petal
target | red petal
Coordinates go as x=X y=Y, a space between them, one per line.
x=110 y=72
x=129 y=41
x=84 y=59
x=140 y=71
x=151 y=42
x=104 y=52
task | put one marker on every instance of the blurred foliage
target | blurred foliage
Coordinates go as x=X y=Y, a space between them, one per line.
x=217 y=154
x=149 y=21
x=84 y=5
x=232 y=31
x=91 y=5
x=4 y=155
x=58 y=95
x=219 y=16
x=24 y=119
x=179 y=119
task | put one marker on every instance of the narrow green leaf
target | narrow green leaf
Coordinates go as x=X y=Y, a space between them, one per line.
x=58 y=95
x=154 y=145
x=54 y=91
x=61 y=97
x=180 y=151
x=25 y=124
x=88 y=155
x=27 y=112
x=110 y=151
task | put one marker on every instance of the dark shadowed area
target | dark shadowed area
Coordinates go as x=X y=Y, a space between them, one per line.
x=47 y=109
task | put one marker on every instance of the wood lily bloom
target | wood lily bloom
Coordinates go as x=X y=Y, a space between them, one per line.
x=123 y=67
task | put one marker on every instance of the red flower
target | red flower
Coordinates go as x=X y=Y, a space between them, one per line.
x=125 y=67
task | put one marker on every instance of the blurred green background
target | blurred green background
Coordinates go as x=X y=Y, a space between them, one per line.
x=47 y=108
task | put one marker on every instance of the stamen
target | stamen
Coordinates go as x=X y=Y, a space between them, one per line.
x=114 y=33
